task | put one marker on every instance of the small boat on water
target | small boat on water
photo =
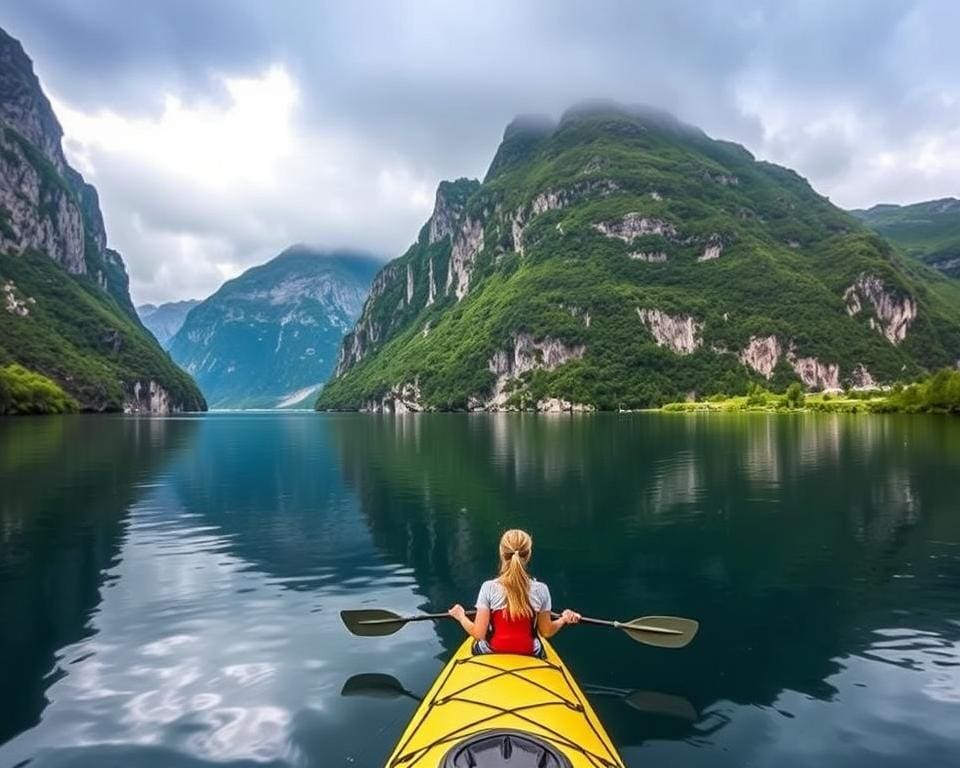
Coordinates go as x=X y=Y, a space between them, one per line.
x=501 y=710
x=504 y=710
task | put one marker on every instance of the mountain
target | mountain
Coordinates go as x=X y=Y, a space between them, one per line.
x=620 y=258
x=269 y=338
x=929 y=231
x=165 y=320
x=65 y=309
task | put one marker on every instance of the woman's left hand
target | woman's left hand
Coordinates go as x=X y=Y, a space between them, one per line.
x=570 y=617
x=457 y=612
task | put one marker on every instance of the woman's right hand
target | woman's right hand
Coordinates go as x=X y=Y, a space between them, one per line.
x=457 y=612
x=570 y=617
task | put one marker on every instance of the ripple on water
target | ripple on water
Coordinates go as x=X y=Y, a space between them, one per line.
x=926 y=652
x=214 y=636
x=234 y=662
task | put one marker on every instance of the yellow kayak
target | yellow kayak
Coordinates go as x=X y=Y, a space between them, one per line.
x=500 y=710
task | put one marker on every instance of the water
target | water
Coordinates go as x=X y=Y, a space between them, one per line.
x=170 y=589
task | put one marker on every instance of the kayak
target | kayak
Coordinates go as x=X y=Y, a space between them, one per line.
x=501 y=710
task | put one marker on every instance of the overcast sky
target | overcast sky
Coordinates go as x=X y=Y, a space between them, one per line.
x=220 y=131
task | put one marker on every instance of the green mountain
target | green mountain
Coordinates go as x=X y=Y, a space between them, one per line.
x=164 y=320
x=622 y=258
x=269 y=338
x=65 y=309
x=928 y=231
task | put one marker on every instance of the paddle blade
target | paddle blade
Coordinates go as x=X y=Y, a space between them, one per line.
x=662 y=631
x=372 y=622
x=658 y=703
x=374 y=685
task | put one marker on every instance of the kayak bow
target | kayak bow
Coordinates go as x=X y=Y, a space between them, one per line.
x=501 y=710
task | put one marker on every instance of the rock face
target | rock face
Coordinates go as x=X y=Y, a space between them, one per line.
x=367 y=331
x=526 y=354
x=14 y=304
x=679 y=332
x=37 y=213
x=401 y=398
x=269 y=338
x=77 y=325
x=451 y=197
x=45 y=205
x=861 y=378
x=558 y=405
x=762 y=355
x=711 y=252
x=23 y=105
x=651 y=257
x=893 y=312
x=432 y=284
x=165 y=320
x=814 y=374
x=466 y=247
x=434 y=246
x=554 y=200
x=633 y=225
x=619 y=258
x=149 y=397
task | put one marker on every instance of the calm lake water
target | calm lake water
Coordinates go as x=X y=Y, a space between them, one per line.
x=170 y=588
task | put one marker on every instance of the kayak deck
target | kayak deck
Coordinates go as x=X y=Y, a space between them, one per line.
x=505 y=692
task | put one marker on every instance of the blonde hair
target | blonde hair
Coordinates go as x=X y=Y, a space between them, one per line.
x=515 y=549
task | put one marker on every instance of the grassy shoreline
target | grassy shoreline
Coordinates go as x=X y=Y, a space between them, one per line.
x=939 y=393
x=814 y=403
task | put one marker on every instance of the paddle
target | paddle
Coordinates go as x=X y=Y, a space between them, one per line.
x=659 y=631
x=663 y=704
x=652 y=702
x=375 y=622
x=380 y=686
x=377 y=686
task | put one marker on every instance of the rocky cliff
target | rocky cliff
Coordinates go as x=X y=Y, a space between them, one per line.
x=620 y=258
x=269 y=338
x=66 y=309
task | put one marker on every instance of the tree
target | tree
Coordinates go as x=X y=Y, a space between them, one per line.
x=795 y=396
x=6 y=398
x=756 y=395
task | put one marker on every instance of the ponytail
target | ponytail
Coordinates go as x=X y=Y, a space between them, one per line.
x=515 y=549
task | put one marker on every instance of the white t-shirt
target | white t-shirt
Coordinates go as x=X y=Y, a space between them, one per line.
x=494 y=596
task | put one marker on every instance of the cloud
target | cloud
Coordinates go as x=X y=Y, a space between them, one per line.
x=207 y=188
x=218 y=132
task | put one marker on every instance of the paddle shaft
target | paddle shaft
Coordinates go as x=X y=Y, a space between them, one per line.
x=625 y=625
x=660 y=631
x=418 y=617
x=583 y=619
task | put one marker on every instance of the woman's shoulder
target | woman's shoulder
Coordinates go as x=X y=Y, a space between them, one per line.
x=491 y=586
x=539 y=586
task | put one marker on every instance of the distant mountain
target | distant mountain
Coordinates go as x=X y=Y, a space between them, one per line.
x=929 y=231
x=65 y=309
x=622 y=258
x=269 y=338
x=165 y=320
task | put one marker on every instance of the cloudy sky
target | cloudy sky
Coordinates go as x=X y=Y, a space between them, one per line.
x=220 y=131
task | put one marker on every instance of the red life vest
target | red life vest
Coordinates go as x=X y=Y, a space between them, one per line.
x=511 y=635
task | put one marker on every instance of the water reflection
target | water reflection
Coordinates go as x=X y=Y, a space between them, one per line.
x=216 y=634
x=791 y=539
x=66 y=484
x=179 y=581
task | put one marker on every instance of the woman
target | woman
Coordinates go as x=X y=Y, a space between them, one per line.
x=513 y=608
